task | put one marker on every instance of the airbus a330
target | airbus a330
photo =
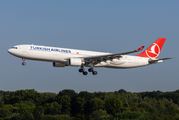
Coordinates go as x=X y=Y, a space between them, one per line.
x=61 y=57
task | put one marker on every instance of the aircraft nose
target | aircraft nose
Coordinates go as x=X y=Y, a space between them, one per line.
x=9 y=50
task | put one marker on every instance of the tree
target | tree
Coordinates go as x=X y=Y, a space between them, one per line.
x=38 y=113
x=1 y=103
x=47 y=117
x=109 y=95
x=97 y=104
x=5 y=113
x=52 y=108
x=130 y=116
x=147 y=107
x=80 y=105
x=86 y=95
x=113 y=105
x=48 y=97
x=173 y=109
x=8 y=107
x=24 y=95
x=96 y=115
x=100 y=95
x=62 y=117
x=71 y=93
x=65 y=102
x=26 y=109
x=122 y=91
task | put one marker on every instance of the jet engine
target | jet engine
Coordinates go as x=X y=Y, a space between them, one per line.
x=56 y=64
x=75 y=62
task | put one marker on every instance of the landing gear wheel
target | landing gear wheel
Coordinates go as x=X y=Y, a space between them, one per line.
x=95 y=73
x=85 y=73
x=23 y=63
x=90 y=69
x=81 y=70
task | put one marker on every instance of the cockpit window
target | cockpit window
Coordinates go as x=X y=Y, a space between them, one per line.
x=14 y=47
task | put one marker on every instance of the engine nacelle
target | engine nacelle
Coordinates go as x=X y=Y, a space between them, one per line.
x=56 y=64
x=75 y=62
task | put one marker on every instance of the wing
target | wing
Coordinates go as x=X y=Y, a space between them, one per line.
x=100 y=58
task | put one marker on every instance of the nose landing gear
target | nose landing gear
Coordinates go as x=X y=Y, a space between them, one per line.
x=23 y=63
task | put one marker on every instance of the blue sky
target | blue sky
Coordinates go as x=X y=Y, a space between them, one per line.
x=103 y=25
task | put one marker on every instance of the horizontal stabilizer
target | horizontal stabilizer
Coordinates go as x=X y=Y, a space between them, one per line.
x=152 y=61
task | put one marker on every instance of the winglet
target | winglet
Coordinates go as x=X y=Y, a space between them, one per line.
x=141 y=48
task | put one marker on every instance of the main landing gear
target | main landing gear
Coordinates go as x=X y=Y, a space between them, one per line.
x=89 y=70
x=92 y=70
x=83 y=71
x=23 y=63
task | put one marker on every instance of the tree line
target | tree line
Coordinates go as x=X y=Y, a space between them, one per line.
x=70 y=105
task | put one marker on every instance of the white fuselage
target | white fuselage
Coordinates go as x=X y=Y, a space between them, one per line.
x=62 y=55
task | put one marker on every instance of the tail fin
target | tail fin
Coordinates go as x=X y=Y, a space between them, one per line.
x=154 y=50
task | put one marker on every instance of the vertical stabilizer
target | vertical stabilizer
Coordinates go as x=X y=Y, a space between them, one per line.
x=154 y=50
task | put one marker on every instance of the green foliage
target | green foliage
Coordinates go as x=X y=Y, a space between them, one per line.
x=113 y=105
x=73 y=95
x=97 y=104
x=100 y=95
x=1 y=103
x=173 y=109
x=56 y=117
x=80 y=105
x=86 y=95
x=3 y=94
x=24 y=95
x=38 y=113
x=8 y=107
x=98 y=114
x=70 y=93
x=122 y=91
x=48 y=97
x=26 y=109
x=147 y=107
x=80 y=117
x=130 y=116
x=5 y=113
x=62 y=117
x=68 y=105
x=47 y=117
x=52 y=108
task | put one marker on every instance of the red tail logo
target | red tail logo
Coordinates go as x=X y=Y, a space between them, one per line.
x=154 y=50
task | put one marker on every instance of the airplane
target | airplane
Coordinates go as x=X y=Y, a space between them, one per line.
x=61 y=57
